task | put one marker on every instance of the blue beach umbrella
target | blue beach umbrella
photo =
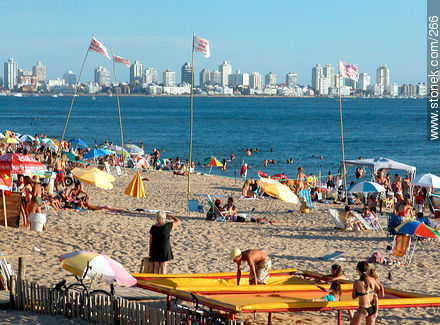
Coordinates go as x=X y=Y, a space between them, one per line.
x=79 y=142
x=96 y=153
x=366 y=187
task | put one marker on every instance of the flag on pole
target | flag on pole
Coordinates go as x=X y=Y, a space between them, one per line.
x=98 y=47
x=348 y=70
x=121 y=60
x=201 y=45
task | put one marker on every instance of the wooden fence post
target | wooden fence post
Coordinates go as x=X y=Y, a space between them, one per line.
x=12 y=292
x=116 y=310
x=22 y=268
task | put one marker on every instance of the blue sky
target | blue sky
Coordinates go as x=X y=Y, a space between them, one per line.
x=263 y=36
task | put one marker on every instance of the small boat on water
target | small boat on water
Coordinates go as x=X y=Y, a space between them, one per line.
x=93 y=98
x=60 y=95
x=55 y=96
x=18 y=95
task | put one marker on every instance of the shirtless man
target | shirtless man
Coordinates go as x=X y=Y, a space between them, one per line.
x=59 y=170
x=381 y=179
x=259 y=264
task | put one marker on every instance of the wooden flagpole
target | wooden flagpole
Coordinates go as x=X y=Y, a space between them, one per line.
x=5 y=214
x=119 y=111
x=342 y=133
x=191 y=114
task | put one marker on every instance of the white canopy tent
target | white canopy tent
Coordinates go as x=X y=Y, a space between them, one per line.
x=382 y=163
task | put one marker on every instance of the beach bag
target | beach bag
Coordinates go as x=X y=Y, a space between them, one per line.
x=210 y=215
x=241 y=218
x=376 y=258
x=147 y=266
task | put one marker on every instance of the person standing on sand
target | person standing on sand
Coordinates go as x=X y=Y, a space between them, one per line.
x=160 y=247
x=259 y=264
x=59 y=170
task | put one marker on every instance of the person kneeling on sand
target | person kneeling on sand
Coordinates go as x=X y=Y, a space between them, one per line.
x=259 y=265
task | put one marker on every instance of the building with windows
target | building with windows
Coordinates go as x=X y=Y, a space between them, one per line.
x=10 y=73
x=216 y=77
x=329 y=73
x=383 y=79
x=136 y=73
x=102 y=76
x=225 y=70
x=271 y=79
x=185 y=73
x=291 y=80
x=393 y=90
x=39 y=71
x=150 y=76
x=238 y=79
x=363 y=82
x=169 y=78
x=69 y=78
x=256 y=81
x=204 y=78
x=317 y=74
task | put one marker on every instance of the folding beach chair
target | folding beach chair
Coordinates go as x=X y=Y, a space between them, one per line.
x=337 y=219
x=435 y=211
x=194 y=206
x=402 y=249
x=362 y=221
x=220 y=215
x=369 y=225
x=306 y=194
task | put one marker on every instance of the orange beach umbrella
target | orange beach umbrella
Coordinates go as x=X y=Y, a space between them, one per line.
x=136 y=187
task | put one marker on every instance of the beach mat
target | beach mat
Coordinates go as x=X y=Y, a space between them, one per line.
x=335 y=256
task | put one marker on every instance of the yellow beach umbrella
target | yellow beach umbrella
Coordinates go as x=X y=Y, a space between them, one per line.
x=136 y=187
x=94 y=176
x=9 y=140
x=280 y=191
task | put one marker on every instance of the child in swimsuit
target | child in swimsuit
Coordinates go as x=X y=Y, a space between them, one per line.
x=335 y=293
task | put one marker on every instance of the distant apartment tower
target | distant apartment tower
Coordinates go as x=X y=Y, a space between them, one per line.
x=150 y=76
x=136 y=73
x=102 y=76
x=169 y=78
x=383 y=78
x=329 y=73
x=364 y=81
x=317 y=74
x=422 y=89
x=216 y=77
x=204 y=78
x=69 y=78
x=393 y=90
x=10 y=73
x=225 y=70
x=238 y=79
x=39 y=71
x=271 y=79
x=186 y=73
x=291 y=80
x=256 y=81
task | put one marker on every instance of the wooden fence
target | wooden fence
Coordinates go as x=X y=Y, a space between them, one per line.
x=99 y=309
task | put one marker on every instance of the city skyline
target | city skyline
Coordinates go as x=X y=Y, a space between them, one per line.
x=287 y=38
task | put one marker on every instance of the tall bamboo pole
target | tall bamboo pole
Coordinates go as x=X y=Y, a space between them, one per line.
x=191 y=114
x=342 y=134
x=119 y=111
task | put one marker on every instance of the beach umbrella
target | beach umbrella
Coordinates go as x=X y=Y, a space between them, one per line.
x=366 y=187
x=70 y=156
x=279 y=176
x=212 y=161
x=27 y=137
x=280 y=191
x=141 y=162
x=51 y=146
x=413 y=227
x=9 y=140
x=94 y=153
x=94 y=176
x=136 y=187
x=134 y=150
x=79 y=142
x=46 y=140
x=2 y=135
x=427 y=180
x=20 y=164
x=96 y=266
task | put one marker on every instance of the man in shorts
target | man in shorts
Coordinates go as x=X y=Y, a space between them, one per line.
x=259 y=264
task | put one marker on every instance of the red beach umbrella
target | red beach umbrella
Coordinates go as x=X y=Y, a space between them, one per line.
x=20 y=164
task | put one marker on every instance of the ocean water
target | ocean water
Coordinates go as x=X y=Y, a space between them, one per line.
x=281 y=128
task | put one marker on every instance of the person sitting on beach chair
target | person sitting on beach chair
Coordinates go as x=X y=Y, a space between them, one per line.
x=220 y=213
x=259 y=264
x=350 y=219
x=231 y=211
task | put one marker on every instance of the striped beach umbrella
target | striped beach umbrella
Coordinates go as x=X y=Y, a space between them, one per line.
x=212 y=161
x=366 y=187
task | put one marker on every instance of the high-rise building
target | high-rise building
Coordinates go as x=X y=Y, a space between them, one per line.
x=256 y=81
x=291 y=80
x=150 y=76
x=185 y=73
x=10 y=73
x=329 y=73
x=383 y=78
x=364 y=81
x=39 y=71
x=69 y=78
x=324 y=85
x=422 y=89
x=204 y=78
x=102 y=76
x=225 y=70
x=136 y=73
x=271 y=79
x=238 y=79
x=169 y=78
x=350 y=83
x=393 y=90
x=317 y=74
x=216 y=77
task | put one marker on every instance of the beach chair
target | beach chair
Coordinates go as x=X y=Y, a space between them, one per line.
x=402 y=249
x=376 y=226
x=220 y=215
x=306 y=194
x=434 y=209
x=107 y=167
x=337 y=219
x=194 y=206
x=362 y=221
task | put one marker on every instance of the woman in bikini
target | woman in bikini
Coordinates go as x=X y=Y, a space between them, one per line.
x=365 y=288
x=406 y=210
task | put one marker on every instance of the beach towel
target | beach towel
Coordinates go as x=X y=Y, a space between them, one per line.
x=335 y=256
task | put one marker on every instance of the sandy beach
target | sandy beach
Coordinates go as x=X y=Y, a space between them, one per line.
x=296 y=241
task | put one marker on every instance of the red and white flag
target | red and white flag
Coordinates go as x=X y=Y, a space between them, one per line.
x=98 y=47
x=348 y=70
x=121 y=60
x=201 y=45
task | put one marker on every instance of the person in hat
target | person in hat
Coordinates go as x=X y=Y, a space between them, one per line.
x=36 y=200
x=259 y=264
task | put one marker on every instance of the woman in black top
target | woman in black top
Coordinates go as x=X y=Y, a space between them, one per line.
x=160 y=247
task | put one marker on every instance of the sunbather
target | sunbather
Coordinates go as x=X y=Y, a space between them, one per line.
x=350 y=220
x=335 y=293
x=230 y=209
x=336 y=274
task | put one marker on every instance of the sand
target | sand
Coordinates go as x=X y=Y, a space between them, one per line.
x=297 y=241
